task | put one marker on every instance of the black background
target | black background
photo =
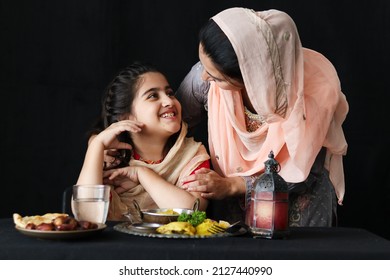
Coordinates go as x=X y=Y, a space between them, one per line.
x=56 y=57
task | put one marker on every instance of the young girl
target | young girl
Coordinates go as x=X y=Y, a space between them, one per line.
x=142 y=121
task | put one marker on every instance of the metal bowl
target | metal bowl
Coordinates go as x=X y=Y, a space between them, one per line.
x=158 y=216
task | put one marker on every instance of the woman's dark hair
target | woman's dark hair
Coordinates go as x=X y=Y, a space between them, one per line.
x=218 y=48
x=118 y=99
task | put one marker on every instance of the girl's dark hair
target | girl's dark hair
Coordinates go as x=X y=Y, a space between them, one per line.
x=118 y=99
x=121 y=91
x=218 y=48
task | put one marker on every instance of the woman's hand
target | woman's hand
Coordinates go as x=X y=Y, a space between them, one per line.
x=212 y=186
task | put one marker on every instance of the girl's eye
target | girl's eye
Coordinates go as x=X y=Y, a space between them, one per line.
x=171 y=93
x=156 y=94
x=153 y=95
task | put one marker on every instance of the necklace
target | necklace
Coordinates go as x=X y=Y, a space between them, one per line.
x=253 y=121
x=136 y=156
x=151 y=161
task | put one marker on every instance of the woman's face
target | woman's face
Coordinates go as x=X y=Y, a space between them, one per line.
x=210 y=73
x=156 y=106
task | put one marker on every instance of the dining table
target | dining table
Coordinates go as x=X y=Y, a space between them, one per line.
x=302 y=243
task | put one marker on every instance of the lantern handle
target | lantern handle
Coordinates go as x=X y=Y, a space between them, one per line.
x=272 y=164
x=278 y=168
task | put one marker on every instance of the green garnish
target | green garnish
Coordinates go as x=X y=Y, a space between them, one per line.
x=196 y=218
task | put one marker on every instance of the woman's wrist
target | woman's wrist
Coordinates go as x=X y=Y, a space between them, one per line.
x=237 y=186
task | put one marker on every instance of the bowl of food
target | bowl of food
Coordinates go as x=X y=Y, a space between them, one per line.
x=163 y=215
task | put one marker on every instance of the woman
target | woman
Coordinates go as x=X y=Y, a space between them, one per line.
x=264 y=92
x=142 y=121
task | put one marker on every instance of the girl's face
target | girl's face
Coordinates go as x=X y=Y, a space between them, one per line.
x=156 y=106
x=210 y=73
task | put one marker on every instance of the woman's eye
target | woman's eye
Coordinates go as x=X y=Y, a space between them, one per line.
x=219 y=80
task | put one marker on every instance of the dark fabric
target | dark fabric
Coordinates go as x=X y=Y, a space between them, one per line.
x=228 y=209
x=313 y=202
x=303 y=243
x=315 y=175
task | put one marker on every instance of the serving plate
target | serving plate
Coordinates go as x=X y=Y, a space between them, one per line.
x=72 y=234
x=149 y=230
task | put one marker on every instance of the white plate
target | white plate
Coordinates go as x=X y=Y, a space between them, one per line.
x=72 y=234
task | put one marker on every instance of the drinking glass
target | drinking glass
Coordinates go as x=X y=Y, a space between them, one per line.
x=90 y=203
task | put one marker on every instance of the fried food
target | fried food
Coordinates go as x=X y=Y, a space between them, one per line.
x=223 y=224
x=187 y=228
x=177 y=228
x=202 y=229
x=36 y=220
x=52 y=222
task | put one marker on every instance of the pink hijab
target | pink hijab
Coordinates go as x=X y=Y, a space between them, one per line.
x=295 y=91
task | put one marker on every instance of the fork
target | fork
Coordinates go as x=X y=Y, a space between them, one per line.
x=215 y=228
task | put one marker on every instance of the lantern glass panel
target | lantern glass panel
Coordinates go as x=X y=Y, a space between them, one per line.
x=264 y=211
x=281 y=215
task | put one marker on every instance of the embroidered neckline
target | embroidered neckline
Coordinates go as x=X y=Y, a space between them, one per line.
x=253 y=121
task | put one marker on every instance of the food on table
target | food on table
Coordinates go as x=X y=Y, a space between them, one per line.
x=43 y=226
x=196 y=218
x=168 y=212
x=36 y=220
x=87 y=225
x=52 y=222
x=186 y=227
x=177 y=228
x=203 y=228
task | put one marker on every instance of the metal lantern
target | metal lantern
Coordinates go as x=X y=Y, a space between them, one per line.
x=267 y=214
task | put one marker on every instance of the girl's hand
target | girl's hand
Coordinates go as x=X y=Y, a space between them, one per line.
x=109 y=137
x=112 y=158
x=123 y=179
